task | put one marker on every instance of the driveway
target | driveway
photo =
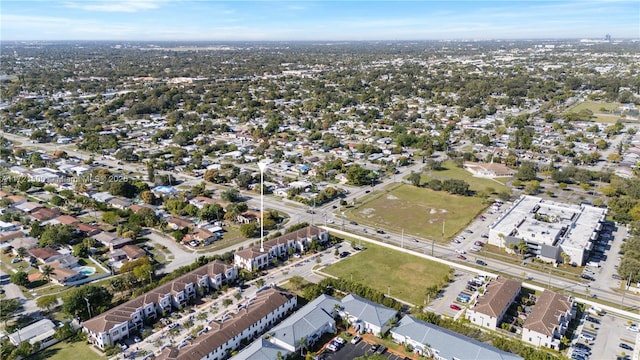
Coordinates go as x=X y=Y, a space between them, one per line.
x=180 y=257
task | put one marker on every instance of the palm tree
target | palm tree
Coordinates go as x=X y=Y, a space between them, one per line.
x=303 y=345
x=47 y=271
x=522 y=247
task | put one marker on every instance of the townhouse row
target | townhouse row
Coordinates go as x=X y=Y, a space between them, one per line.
x=128 y=319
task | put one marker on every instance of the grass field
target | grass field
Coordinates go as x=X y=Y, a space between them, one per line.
x=67 y=350
x=596 y=107
x=419 y=211
x=451 y=171
x=405 y=276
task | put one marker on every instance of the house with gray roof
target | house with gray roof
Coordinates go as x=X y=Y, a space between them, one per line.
x=310 y=323
x=261 y=349
x=365 y=315
x=433 y=341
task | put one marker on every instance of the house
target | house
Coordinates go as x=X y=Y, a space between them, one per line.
x=201 y=201
x=102 y=197
x=548 y=320
x=177 y=223
x=117 y=255
x=28 y=207
x=491 y=306
x=120 y=203
x=88 y=230
x=248 y=217
x=253 y=318
x=432 y=341
x=112 y=241
x=133 y=252
x=8 y=236
x=41 y=332
x=23 y=242
x=7 y=226
x=43 y=254
x=43 y=214
x=64 y=220
x=367 y=316
x=128 y=318
x=137 y=207
x=62 y=275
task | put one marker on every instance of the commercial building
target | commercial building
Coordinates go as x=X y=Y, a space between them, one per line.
x=552 y=231
x=549 y=320
x=490 y=307
x=128 y=319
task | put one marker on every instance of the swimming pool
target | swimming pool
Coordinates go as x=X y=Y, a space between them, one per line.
x=86 y=270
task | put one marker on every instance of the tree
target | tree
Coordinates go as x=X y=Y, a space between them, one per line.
x=526 y=171
x=151 y=172
x=231 y=195
x=357 y=175
x=533 y=187
x=20 y=278
x=47 y=302
x=22 y=252
x=75 y=301
x=249 y=230
x=57 y=201
x=211 y=212
x=148 y=197
x=414 y=178
x=8 y=308
x=47 y=271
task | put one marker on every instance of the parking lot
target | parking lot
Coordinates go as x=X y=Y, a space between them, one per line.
x=448 y=295
x=609 y=332
x=350 y=351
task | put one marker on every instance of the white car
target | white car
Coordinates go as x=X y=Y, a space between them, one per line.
x=633 y=328
x=332 y=347
x=584 y=284
x=460 y=251
x=340 y=340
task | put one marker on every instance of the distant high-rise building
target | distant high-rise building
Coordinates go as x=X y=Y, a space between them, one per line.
x=607 y=38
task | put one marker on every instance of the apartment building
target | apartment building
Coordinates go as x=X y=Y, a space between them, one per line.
x=489 y=307
x=548 y=320
x=128 y=318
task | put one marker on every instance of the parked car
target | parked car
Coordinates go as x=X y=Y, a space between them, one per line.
x=381 y=349
x=587 y=336
x=626 y=346
x=460 y=251
x=633 y=328
x=16 y=260
x=332 y=347
x=340 y=340
x=137 y=339
x=470 y=288
x=356 y=339
x=478 y=243
x=373 y=348
x=455 y=307
x=485 y=235
x=468 y=231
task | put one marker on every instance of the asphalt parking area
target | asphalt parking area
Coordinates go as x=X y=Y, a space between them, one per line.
x=350 y=351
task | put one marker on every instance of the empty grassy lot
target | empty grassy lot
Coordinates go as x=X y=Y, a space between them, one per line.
x=451 y=171
x=405 y=276
x=596 y=107
x=419 y=211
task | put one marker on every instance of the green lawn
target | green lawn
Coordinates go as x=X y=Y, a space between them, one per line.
x=405 y=276
x=66 y=350
x=419 y=211
x=451 y=171
x=597 y=107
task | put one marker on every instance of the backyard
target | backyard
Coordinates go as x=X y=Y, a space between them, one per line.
x=419 y=211
x=404 y=276
x=67 y=350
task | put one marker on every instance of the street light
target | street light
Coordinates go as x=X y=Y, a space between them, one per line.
x=88 y=307
x=263 y=167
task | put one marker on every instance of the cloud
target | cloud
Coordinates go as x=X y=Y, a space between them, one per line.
x=129 y=6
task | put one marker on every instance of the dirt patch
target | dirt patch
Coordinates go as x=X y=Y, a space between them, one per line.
x=392 y=197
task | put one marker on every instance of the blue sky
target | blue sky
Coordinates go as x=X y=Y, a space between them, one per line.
x=315 y=20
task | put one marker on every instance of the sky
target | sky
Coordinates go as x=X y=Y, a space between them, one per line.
x=212 y=20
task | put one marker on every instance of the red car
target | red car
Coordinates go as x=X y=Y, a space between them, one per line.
x=455 y=307
x=461 y=257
